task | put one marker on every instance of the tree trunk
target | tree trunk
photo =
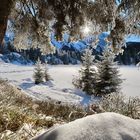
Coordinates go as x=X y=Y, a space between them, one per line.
x=5 y=7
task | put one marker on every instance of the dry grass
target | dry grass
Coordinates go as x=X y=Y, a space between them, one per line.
x=18 y=111
x=120 y=104
x=61 y=111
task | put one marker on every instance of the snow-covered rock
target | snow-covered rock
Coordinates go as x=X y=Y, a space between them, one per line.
x=105 y=126
x=1 y=60
x=15 y=58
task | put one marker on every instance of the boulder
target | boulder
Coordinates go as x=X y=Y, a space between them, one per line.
x=104 y=126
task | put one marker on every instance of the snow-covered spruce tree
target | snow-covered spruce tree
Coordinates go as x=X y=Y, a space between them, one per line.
x=46 y=74
x=38 y=73
x=108 y=78
x=86 y=80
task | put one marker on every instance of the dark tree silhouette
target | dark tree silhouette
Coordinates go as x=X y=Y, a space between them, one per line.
x=5 y=7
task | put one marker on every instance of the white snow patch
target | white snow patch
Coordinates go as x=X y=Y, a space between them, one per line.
x=131 y=83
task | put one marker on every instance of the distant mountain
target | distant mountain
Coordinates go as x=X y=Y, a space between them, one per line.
x=71 y=52
x=77 y=45
x=132 y=38
x=82 y=44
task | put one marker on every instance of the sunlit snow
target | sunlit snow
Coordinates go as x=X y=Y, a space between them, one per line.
x=61 y=88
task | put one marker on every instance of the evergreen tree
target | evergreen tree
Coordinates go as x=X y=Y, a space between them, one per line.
x=108 y=78
x=38 y=73
x=46 y=74
x=87 y=73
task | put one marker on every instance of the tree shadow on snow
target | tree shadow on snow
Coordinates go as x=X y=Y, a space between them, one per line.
x=28 y=83
x=86 y=99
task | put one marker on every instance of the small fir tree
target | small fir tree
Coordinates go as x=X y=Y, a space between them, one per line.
x=46 y=74
x=108 y=78
x=38 y=73
x=87 y=74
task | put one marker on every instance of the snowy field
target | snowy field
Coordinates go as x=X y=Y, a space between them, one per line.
x=61 y=88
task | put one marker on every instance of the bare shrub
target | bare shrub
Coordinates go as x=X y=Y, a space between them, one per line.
x=120 y=104
x=60 y=110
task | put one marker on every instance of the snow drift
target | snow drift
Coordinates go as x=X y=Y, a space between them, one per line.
x=104 y=126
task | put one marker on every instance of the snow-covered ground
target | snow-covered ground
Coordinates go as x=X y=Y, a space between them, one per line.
x=131 y=83
x=61 y=88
